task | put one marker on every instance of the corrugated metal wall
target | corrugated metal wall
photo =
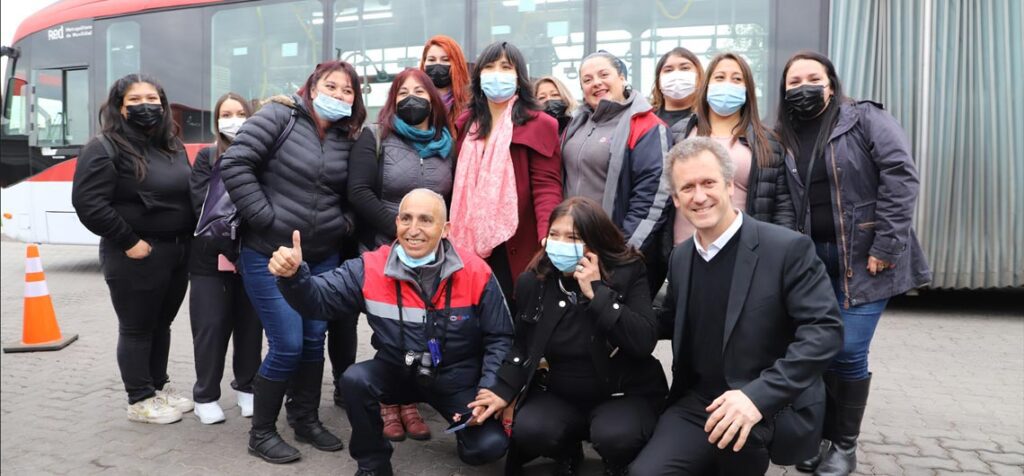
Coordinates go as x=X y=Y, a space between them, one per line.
x=952 y=72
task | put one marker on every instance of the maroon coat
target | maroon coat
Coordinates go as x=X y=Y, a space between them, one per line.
x=537 y=161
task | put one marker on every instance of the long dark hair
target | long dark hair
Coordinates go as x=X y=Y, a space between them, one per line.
x=657 y=98
x=223 y=142
x=353 y=123
x=127 y=139
x=784 y=123
x=479 y=111
x=749 y=117
x=597 y=232
x=438 y=111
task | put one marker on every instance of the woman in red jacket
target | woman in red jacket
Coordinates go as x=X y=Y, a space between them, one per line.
x=508 y=176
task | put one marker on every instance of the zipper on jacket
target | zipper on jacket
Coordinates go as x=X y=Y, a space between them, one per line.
x=842 y=232
x=316 y=190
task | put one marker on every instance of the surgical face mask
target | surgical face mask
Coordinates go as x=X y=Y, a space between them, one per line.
x=498 y=87
x=440 y=74
x=726 y=98
x=330 y=108
x=805 y=102
x=413 y=110
x=415 y=262
x=678 y=84
x=555 y=108
x=565 y=256
x=229 y=126
x=146 y=115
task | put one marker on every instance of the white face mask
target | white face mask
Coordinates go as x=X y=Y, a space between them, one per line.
x=678 y=84
x=229 y=126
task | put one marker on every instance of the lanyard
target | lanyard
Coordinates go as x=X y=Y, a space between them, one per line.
x=430 y=320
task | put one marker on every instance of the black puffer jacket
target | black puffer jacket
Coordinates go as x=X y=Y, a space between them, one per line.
x=768 y=197
x=302 y=187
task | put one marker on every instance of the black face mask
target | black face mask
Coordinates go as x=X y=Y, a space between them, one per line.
x=146 y=115
x=805 y=102
x=440 y=74
x=413 y=110
x=556 y=108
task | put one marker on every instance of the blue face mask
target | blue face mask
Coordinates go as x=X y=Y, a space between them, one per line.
x=498 y=87
x=415 y=262
x=331 y=109
x=726 y=98
x=565 y=256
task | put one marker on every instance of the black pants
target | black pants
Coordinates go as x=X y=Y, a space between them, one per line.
x=502 y=271
x=220 y=310
x=547 y=425
x=146 y=294
x=341 y=345
x=680 y=446
x=367 y=383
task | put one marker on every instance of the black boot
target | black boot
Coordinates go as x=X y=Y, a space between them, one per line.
x=386 y=471
x=569 y=463
x=339 y=398
x=263 y=438
x=851 y=399
x=829 y=429
x=304 y=408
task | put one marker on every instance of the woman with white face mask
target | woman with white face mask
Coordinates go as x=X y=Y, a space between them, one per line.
x=726 y=110
x=678 y=73
x=508 y=175
x=219 y=309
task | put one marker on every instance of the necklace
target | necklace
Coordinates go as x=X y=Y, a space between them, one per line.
x=571 y=295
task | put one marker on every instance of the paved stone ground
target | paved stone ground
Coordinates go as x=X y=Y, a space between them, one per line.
x=948 y=394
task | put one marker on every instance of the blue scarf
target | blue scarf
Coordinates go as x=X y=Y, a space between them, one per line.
x=423 y=140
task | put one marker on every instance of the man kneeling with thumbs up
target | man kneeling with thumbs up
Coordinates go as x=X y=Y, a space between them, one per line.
x=421 y=298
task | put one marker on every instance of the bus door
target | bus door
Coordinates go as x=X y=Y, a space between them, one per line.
x=58 y=123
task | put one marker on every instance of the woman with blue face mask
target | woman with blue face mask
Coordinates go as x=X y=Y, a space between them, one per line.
x=583 y=307
x=508 y=175
x=287 y=170
x=726 y=110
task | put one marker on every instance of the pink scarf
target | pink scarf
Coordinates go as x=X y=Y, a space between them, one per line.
x=485 y=209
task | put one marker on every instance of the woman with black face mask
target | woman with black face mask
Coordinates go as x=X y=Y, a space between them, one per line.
x=131 y=187
x=855 y=185
x=411 y=148
x=446 y=66
x=556 y=99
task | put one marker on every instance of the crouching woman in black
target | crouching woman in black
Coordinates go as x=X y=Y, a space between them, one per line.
x=585 y=308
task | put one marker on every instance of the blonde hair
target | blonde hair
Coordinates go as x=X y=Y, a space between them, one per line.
x=570 y=101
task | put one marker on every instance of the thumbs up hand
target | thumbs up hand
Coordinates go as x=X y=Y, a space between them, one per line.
x=286 y=261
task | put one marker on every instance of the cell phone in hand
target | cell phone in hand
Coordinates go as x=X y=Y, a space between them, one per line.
x=460 y=421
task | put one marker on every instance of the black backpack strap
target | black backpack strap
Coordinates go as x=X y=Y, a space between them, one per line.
x=379 y=186
x=285 y=133
x=108 y=146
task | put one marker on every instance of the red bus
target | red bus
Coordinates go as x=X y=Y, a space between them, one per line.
x=64 y=58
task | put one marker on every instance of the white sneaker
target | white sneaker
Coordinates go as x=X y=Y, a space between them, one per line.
x=245 y=403
x=209 y=413
x=153 y=410
x=175 y=399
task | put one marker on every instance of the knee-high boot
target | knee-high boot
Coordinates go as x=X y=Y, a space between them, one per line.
x=829 y=430
x=264 y=441
x=851 y=398
x=304 y=408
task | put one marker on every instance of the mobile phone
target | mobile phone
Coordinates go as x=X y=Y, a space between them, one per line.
x=460 y=421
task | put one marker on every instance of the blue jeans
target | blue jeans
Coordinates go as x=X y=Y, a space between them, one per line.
x=859 y=322
x=290 y=338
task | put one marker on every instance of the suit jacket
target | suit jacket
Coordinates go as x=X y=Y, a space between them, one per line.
x=782 y=328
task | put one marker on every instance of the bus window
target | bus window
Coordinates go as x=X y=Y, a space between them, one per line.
x=640 y=32
x=263 y=50
x=123 y=50
x=381 y=38
x=550 y=35
x=15 y=105
x=61 y=107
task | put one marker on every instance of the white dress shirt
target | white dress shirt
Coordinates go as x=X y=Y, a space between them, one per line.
x=717 y=245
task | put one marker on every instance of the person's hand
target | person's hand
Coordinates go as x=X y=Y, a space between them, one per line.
x=587 y=271
x=139 y=251
x=486 y=405
x=286 y=261
x=876 y=265
x=732 y=414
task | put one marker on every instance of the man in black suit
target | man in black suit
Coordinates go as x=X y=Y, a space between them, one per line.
x=754 y=324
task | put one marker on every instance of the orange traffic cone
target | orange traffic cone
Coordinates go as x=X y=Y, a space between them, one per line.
x=40 y=330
